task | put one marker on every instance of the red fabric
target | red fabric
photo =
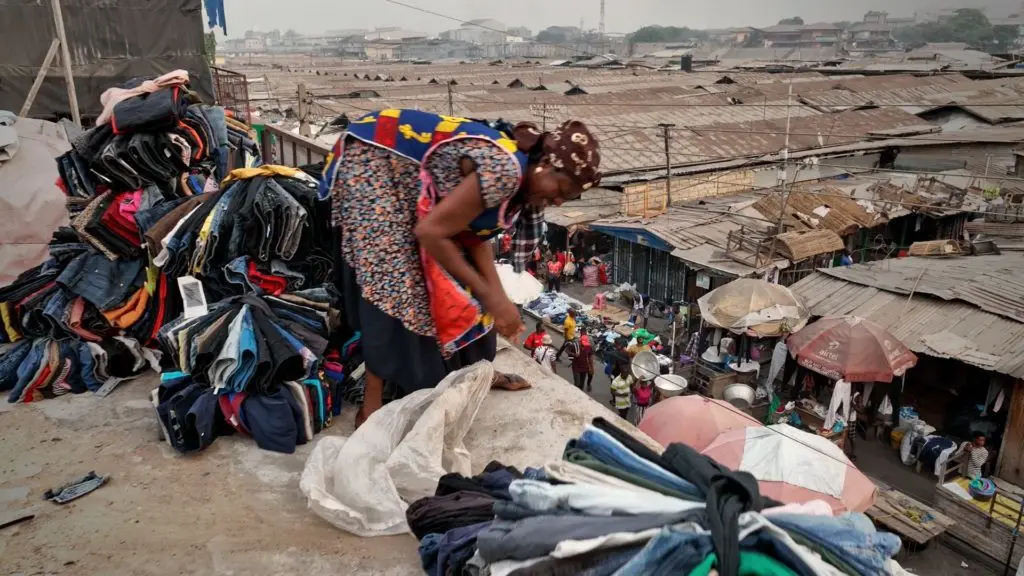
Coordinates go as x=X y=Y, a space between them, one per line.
x=386 y=132
x=161 y=299
x=851 y=348
x=582 y=363
x=271 y=284
x=29 y=393
x=533 y=341
x=602 y=274
x=560 y=256
x=643 y=393
x=554 y=268
x=117 y=220
x=231 y=407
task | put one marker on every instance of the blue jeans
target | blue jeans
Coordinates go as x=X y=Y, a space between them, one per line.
x=104 y=283
x=29 y=367
x=446 y=553
x=851 y=537
x=10 y=362
x=87 y=368
x=611 y=452
x=672 y=551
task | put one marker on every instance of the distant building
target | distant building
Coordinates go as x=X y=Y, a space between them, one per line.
x=520 y=31
x=873 y=33
x=255 y=44
x=730 y=36
x=818 y=35
x=483 y=31
x=381 y=34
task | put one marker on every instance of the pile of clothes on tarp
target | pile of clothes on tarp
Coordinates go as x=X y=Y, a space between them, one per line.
x=250 y=365
x=555 y=306
x=613 y=506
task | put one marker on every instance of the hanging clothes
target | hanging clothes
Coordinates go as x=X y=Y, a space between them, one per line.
x=215 y=15
x=840 y=397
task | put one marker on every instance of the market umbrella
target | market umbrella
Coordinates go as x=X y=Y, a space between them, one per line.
x=753 y=306
x=851 y=348
x=693 y=420
x=794 y=466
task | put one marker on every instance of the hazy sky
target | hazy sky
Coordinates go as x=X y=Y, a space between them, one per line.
x=315 y=16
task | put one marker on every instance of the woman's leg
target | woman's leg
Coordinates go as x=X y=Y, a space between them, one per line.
x=590 y=380
x=578 y=379
x=373 y=397
x=623 y=413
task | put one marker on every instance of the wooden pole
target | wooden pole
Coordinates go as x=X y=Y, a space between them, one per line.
x=65 y=57
x=304 y=128
x=38 y=83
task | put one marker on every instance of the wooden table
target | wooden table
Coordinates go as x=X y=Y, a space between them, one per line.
x=907 y=517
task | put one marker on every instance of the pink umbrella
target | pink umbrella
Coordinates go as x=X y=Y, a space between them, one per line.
x=851 y=348
x=793 y=466
x=693 y=420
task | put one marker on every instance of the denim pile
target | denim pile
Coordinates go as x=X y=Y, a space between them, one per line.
x=166 y=139
x=264 y=233
x=252 y=366
x=613 y=506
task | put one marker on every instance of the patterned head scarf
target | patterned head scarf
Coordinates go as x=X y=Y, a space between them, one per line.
x=571 y=148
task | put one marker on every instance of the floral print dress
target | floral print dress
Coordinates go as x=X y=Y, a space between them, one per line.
x=374 y=204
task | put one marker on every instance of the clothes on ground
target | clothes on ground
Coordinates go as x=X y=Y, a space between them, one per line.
x=559 y=521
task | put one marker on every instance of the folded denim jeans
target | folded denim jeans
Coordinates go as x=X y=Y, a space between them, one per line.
x=104 y=283
x=154 y=112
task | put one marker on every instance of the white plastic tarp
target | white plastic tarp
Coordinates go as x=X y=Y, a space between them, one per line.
x=362 y=484
x=31 y=204
x=781 y=453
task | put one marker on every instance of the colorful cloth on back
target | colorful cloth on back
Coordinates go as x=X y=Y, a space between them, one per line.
x=379 y=192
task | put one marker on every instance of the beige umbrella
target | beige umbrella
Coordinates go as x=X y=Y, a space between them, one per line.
x=753 y=306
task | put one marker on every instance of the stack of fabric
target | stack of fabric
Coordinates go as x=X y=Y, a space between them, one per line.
x=81 y=320
x=613 y=506
x=265 y=233
x=250 y=366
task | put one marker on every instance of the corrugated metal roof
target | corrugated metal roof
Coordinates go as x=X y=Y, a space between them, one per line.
x=595 y=204
x=994 y=283
x=922 y=321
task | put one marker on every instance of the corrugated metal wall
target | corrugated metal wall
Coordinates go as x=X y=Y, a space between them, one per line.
x=655 y=272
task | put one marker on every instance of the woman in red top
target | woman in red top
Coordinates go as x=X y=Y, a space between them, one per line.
x=554 y=275
x=535 y=339
x=581 y=353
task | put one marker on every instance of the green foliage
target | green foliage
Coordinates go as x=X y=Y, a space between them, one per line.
x=210 y=48
x=967 y=25
x=666 y=34
x=794 y=21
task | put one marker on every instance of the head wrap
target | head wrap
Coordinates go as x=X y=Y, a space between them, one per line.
x=570 y=148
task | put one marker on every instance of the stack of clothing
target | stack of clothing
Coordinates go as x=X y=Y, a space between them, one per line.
x=613 y=506
x=166 y=138
x=250 y=365
x=81 y=321
x=265 y=233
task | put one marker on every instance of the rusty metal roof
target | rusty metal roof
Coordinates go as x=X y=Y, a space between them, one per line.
x=829 y=211
x=927 y=325
x=800 y=245
x=994 y=284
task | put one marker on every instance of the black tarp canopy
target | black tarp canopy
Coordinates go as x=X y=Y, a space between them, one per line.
x=110 y=41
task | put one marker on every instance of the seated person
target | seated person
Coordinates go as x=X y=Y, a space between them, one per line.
x=976 y=454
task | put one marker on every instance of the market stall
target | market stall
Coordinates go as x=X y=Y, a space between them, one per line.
x=741 y=324
x=845 y=350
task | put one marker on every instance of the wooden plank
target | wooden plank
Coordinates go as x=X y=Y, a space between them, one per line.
x=65 y=60
x=38 y=82
x=891 y=507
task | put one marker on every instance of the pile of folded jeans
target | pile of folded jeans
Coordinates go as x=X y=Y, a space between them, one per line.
x=250 y=365
x=166 y=139
x=613 y=506
x=265 y=233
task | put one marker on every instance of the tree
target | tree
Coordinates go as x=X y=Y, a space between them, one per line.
x=210 y=48
x=967 y=25
x=551 y=36
x=666 y=34
x=794 y=21
x=755 y=40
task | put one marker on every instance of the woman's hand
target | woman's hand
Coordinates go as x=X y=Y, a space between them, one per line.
x=506 y=316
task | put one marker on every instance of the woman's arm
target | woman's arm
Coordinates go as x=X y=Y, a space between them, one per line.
x=448 y=218
x=482 y=256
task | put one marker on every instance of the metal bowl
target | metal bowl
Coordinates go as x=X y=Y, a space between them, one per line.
x=670 y=385
x=645 y=366
x=739 y=395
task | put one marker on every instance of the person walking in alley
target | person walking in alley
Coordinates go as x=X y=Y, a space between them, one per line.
x=581 y=355
x=545 y=354
x=554 y=275
x=568 y=331
x=643 y=397
x=622 y=391
x=415 y=199
x=536 y=338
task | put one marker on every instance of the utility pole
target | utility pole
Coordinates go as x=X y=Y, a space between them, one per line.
x=783 y=177
x=666 y=129
x=304 y=129
x=451 y=105
x=544 y=117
